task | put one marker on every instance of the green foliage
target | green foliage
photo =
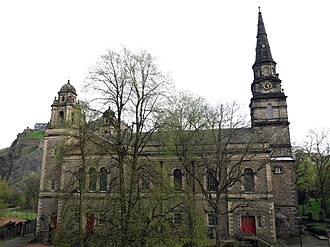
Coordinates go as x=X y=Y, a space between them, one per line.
x=10 y=196
x=16 y=198
x=318 y=229
x=306 y=174
x=29 y=187
x=35 y=135
x=314 y=207
x=5 y=192
x=198 y=235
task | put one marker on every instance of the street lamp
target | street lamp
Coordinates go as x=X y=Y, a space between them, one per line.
x=300 y=230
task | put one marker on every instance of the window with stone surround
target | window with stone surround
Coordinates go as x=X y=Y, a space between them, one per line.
x=102 y=217
x=145 y=185
x=103 y=179
x=211 y=220
x=52 y=183
x=80 y=178
x=92 y=179
x=278 y=169
x=211 y=180
x=249 y=180
x=259 y=221
x=177 y=179
x=177 y=218
x=269 y=111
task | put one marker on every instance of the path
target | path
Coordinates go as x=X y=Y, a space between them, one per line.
x=21 y=242
x=16 y=242
x=308 y=240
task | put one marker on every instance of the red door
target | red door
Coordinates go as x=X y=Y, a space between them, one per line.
x=54 y=222
x=248 y=225
x=90 y=223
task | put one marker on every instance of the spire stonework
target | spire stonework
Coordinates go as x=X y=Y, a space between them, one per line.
x=268 y=104
x=269 y=116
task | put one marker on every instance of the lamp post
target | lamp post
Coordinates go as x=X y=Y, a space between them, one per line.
x=300 y=230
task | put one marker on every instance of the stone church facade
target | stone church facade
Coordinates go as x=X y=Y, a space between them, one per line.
x=270 y=197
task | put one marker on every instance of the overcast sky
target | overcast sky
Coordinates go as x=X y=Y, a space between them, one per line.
x=208 y=47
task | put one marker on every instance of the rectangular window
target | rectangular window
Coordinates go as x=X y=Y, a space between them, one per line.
x=278 y=170
x=259 y=221
x=145 y=185
x=211 y=182
x=76 y=217
x=102 y=219
x=76 y=221
x=177 y=218
x=211 y=220
x=52 y=184
x=269 y=112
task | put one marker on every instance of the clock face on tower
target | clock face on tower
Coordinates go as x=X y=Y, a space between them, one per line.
x=267 y=85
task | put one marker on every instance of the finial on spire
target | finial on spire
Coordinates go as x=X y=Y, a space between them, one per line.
x=68 y=79
x=259 y=9
x=263 y=53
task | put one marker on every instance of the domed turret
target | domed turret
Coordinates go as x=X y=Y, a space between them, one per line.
x=63 y=105
x=68 y=88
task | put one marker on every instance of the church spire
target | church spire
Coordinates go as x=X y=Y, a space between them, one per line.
x=268 y=102
x=263 y=53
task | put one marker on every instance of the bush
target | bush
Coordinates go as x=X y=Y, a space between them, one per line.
x=318 y=229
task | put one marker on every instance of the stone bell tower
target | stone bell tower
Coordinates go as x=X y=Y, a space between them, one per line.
x=269 y=116
x=62 y=107
x=51 y=167
x=268 y=104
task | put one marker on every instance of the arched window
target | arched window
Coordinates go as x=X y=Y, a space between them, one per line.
x=92 y=179
x=61 y=117
x=177 y=177
x=265 y=71
x=103 y=179
x=211 y=180
x=269 y=111
x=145 y=185
x=248 y=180
x=80 y=178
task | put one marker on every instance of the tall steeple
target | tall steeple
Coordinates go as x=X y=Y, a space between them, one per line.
x=263 y=53
x=268 y=104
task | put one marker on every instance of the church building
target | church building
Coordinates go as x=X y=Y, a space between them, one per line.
x=261 y=207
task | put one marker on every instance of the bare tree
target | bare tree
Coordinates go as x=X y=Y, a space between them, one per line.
x=305 y=172
x=214 y=145
x=131 y=89
x=73 y=157
x=318 y=150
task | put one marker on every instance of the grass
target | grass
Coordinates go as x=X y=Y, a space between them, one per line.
x=3 y=150
x=313 y=207
x=13 y=213
x=35 y=135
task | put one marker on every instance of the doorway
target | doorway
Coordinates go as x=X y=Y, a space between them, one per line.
x=248 y=225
